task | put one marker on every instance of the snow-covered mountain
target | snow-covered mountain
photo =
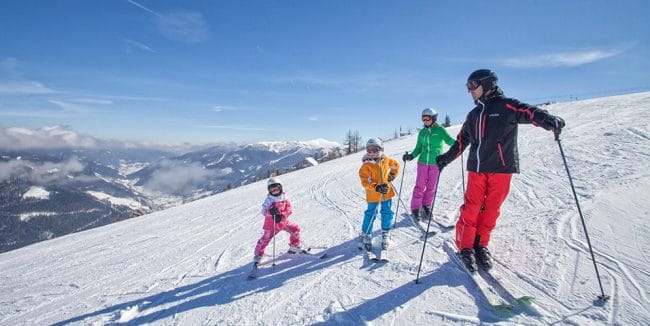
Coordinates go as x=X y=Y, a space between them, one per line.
x=187 y=265
x=217 y=168
x=81 y=188
x=49 y=193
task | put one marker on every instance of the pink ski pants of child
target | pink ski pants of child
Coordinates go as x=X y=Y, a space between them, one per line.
x=292 y=229
x=425 y=185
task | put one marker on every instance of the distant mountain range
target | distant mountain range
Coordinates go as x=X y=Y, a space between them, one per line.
x=49 y=193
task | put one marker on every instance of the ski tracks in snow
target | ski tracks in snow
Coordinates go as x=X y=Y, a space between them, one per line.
x=332 y=194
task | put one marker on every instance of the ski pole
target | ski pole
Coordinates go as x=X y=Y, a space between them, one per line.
x=274 y=226
x=426 y=235
x=399 y=198
x=370 y=225
x=374 y=215
x=602 y=296
x=462 y=172
x=399 y=193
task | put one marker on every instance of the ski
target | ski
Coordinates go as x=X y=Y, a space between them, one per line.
x=383 y=255
x=442 y=226
x=492 y=296
x=494 y=278
x=253 y=274
x=374 y=258
x=368 y=253
x=418 y=225
x=320 y=255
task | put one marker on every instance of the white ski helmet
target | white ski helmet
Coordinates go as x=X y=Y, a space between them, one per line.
x=274 y=181
x=374 y=142
x=431 y=113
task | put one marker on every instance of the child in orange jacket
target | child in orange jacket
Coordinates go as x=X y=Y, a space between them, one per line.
x=376 y=173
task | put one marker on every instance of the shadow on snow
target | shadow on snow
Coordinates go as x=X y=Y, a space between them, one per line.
x=233 y=285
x=224 y=288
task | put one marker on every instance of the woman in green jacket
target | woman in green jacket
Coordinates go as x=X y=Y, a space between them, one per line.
x=428 y=147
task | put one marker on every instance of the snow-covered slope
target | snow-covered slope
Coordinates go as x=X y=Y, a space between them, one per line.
x=187 y=265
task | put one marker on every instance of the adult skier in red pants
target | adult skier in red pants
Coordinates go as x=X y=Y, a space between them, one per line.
x=491 y=131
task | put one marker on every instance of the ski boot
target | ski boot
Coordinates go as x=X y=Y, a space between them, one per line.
x=256 y=261
x=416 y=214
x=366 y=240
x=385 y=239
x=426 y=212
x=483 y=257
x=295 y=250
x=469 y=259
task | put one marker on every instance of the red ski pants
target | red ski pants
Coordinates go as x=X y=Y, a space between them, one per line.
x=478 y=215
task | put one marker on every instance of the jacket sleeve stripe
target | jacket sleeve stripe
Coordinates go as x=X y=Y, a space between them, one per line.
x=521 y=109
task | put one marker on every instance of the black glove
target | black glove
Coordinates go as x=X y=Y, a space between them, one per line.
x=554 y=123
x=277 y=218
x=274 y=210
x=391 y=177
x=382 y=188
x=407 y=157
x=441 y=161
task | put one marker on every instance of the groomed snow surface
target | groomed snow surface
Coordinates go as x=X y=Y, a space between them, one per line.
x=188 y=265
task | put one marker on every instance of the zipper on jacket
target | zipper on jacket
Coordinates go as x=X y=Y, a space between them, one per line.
x=429 y=144
x=381 y=177
x=500 y=149
x=479 y=134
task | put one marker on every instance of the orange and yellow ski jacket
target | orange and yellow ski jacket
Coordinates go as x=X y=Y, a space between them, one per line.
x=375 y=172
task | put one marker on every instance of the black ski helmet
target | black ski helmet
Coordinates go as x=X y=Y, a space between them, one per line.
x=483 y=77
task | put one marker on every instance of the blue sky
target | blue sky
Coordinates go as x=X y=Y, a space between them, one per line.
x=244 y=71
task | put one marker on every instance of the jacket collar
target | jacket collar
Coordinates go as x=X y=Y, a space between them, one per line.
x=486 y=98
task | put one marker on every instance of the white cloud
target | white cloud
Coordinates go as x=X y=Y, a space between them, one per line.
x=233 y=127
x=13 y=82
x=221 y=108
x=46 y=137
x=177 y=178
x=189 y=27
x=93 y=101
x=24 y=87
x=562 y=59
x=39 y=173
x=143 y=7
x=74 y=107
x=32 y=113
x=131 y=44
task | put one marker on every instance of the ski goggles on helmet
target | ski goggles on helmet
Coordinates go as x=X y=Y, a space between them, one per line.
x=276 y=187
x=472 y=85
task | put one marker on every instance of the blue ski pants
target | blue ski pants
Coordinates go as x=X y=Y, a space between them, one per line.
x=371 y=213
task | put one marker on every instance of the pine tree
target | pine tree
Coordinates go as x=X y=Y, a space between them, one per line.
x=447 y=122
x=349 y=142
x=352 y=142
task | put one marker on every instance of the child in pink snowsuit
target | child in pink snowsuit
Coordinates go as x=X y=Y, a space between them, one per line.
x=276 y=210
